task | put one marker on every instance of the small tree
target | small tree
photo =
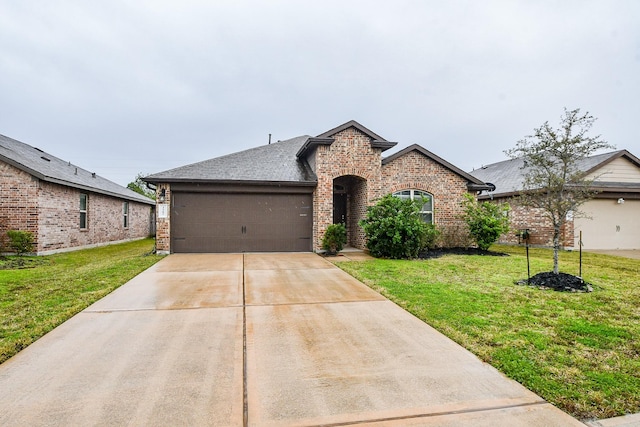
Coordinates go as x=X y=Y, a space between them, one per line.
x=486 y=221
x=140 y=187
x=20 y=241
x=553 y=179
x=334 y=238
x=394 y=228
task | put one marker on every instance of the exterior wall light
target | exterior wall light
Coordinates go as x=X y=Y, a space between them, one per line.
x=163 y=195
x=621 y=201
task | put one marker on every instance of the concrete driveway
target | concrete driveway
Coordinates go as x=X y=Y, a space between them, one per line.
x=625 y=253
x=259 y=340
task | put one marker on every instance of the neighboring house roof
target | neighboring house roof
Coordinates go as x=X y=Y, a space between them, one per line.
x=49 y=168
x=268 y=164
x=475 y=184
x=508 y=175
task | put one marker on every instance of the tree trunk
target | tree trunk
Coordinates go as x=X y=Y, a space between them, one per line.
x=556 y=248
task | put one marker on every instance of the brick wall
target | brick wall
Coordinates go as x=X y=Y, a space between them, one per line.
x=59 y=219
x=418 y=172
x=539 y=225
x=163 y=225
x=52 y=213
x=358 y=204
x=350 y=154
x=18 y=201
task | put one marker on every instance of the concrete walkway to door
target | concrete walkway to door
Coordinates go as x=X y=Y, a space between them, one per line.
x=259 y=340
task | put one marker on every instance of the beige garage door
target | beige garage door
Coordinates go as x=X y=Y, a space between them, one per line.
x=612 y=225
x=219 y=222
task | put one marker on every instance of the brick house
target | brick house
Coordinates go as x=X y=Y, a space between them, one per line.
x=65 y=206
x=608 y=221
x=283 y=196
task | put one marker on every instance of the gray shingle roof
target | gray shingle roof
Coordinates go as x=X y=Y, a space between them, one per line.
x=508 y=176
x=49 y=168
x=272 y=163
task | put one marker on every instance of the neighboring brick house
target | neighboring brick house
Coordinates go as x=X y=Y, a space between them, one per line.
x=609 y=221
x=283 y=196
x=65 y=206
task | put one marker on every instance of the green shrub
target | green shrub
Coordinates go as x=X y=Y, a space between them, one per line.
x=431 y=237
x=487 y=221
x=334 y=238
x=395 y=229
x=3 y=235
x=20 y=241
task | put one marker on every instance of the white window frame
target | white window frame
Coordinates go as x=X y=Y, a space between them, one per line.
x=414 y=194
x=125 y=214
x=83 y=212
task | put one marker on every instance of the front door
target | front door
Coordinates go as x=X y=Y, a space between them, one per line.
x=339 y=208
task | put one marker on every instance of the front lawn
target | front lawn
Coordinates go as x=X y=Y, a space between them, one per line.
x=35 y=300
x=579 y=351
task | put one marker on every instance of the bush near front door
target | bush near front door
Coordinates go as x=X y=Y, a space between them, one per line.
x=334 y=239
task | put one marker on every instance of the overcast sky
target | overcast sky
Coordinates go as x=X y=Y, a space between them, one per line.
x=122 y=87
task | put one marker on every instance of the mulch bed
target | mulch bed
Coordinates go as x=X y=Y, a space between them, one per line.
x=562 y=282
x=437 y=253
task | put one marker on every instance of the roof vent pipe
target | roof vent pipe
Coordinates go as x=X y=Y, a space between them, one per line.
x=76 y=171
x=93 y=174
x=269 y=138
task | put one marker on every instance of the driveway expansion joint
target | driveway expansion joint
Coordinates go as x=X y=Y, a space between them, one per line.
x=430 y=415
x=245 y=400
x=150 y=309
x=276 y=304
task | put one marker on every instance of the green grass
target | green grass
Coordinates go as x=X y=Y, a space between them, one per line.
x=579 y=351
x=35 y=300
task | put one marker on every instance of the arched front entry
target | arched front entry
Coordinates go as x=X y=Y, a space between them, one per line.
x=350 y=206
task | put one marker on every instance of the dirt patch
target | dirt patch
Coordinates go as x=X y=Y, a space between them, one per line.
x=437 y=253
x=562 y=282
x=17 y=263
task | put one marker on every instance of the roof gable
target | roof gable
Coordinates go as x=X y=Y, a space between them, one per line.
x=271 y=163
x=605 y=165
x=352 y=124
x=49 y=168
x=326 y=138
x=478 y=184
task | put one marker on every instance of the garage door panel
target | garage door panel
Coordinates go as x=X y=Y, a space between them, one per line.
x=215 y=222
x=196 y=244
x=607 y=224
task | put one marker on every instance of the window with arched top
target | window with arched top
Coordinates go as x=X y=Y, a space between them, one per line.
x=425 y=198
